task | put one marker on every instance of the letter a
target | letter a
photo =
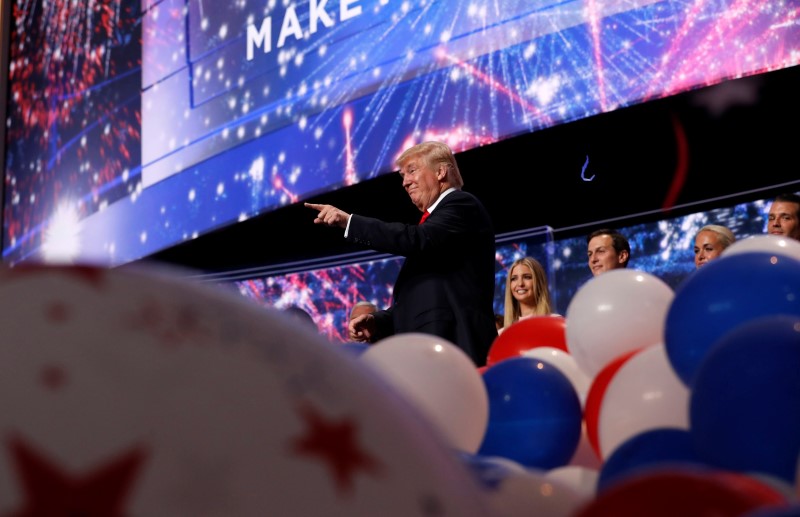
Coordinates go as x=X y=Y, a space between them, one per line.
x=291 y=25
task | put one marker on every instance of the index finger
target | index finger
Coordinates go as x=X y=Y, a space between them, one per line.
x=314 y=206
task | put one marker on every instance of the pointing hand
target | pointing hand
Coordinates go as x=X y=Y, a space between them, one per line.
x=329 y=215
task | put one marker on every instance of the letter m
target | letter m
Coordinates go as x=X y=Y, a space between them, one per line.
x=257 y=38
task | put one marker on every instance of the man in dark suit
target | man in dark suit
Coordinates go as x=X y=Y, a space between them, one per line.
x=446 y=284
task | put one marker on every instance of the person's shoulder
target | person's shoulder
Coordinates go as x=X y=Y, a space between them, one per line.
x=463 y=194
x=462 y=197
x=469 y=209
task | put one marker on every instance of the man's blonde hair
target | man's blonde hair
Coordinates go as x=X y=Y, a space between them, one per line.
x=434 y=153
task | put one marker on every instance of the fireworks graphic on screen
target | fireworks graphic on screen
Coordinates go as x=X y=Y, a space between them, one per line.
x=73 y=119
x=153 y=124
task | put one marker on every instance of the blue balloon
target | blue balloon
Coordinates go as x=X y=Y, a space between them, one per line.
x=721 y=295
x=535 y=413
x=744 y=409
x=656 y=448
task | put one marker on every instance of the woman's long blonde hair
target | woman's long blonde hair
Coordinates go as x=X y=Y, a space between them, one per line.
x=540 y=287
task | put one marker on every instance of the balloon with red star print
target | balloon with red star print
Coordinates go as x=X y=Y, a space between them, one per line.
x=139 y=392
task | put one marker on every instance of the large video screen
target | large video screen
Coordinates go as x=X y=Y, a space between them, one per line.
x=136 y=125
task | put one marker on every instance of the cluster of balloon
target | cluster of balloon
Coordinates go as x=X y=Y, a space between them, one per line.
x=540 y=337
x=509 y=452
x=745 y=405
x=668 y=389
x=733 y=337
x=535 y=418
x=720 y=296
x=132 y=391
x=643 y=394
x=609 y=319
x=669 y=416
x=515 y=490
x=716 y=402
x=613 y=313
x=528 y=334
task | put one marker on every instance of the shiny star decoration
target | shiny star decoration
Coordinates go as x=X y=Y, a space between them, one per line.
x=49 y=490
x=335 y=443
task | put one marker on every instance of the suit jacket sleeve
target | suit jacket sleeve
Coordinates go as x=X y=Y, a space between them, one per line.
x=457 y=218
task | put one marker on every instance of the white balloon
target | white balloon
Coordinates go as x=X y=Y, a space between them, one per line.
x=765 y=243
x=532 y=492
x=582 y=480
x=613 y=313
x=440 y=380
x=566 y=364
x=584 y=455
x=644 y=394
x=143 y=394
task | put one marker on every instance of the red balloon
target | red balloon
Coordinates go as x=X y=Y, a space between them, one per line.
x=523 y=335
x=683 y=491
x=594 y=398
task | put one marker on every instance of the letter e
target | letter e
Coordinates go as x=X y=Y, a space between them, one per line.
x=345 y=12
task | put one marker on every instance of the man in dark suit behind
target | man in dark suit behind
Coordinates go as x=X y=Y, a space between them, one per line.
x=446 y=284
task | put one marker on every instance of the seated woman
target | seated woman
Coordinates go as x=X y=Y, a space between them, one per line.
x=709 y=243
x=527 y=293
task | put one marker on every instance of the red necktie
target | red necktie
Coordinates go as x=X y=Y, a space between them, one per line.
x=425 y=215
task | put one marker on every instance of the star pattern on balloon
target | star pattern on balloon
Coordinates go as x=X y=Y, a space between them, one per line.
x=170 y=324
x=57 y=312
x=335 y=442
x=94 y=276
x=53 y=377
x=50 y=490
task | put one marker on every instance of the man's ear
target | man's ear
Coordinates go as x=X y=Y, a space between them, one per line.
x=623 y=256
x=441 y=172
